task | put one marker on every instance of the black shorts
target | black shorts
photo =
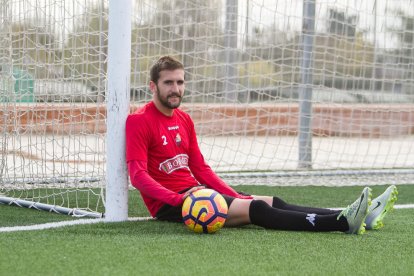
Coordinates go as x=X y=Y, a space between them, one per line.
x=173 y=213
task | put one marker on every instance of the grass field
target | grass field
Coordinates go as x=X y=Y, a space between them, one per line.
x=160 y=248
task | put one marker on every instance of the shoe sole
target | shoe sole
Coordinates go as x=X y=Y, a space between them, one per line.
x=378 y=222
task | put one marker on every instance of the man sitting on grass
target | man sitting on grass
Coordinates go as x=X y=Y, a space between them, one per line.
x=165 y=164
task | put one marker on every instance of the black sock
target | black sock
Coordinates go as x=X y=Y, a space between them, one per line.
x=263 y=215
x=280 y=204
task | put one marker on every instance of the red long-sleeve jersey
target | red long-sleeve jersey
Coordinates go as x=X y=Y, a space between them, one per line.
x=164 y=157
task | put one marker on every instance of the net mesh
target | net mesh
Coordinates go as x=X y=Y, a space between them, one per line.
x=246 y=83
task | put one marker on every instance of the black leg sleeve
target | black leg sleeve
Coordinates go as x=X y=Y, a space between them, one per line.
x=263 y=215
x=280 y=204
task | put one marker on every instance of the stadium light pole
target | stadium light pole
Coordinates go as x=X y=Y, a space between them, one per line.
x=230 y=43
x=305 y=88
x=119 y=63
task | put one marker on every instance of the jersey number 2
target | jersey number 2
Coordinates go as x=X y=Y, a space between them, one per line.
x=164 y=140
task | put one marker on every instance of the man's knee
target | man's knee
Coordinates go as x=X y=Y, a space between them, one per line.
x=238 y=213
x=267 y=199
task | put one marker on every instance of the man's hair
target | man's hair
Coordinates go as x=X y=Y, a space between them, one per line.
x=164 y=63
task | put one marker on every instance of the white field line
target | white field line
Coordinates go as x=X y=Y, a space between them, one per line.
x=62 y=224
x=92 y=221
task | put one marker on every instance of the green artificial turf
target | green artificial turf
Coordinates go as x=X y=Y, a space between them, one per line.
x=162 y=248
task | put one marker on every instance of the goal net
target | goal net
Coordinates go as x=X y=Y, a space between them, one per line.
x=52 y=105
x=281 y=92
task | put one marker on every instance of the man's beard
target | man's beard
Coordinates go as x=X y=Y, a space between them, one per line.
x=166 y=103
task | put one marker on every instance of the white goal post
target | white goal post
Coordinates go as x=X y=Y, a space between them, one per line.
x=299 y=92
x=119 y=60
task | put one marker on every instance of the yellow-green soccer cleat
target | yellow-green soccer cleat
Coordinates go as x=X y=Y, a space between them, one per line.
x=356 y=213
x=381 y=206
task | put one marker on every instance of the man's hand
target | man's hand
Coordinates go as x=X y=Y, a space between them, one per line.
x=245 y=197
x=196 y=188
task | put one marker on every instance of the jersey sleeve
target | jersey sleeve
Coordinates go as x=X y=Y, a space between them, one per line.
x=141 y=180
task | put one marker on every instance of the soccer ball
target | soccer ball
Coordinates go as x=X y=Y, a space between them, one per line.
x=204 y=211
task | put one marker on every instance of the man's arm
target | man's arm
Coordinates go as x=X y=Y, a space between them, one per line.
x=138 y=137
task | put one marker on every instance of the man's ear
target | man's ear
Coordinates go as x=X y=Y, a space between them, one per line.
x=152 y=86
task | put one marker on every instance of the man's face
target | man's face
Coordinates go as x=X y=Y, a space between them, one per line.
x=169 y=89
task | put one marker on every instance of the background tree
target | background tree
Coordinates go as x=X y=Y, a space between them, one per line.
x=86 y=48
x=405 y=49
x=343 y=58
x=35 y=49
x=341 y=24
x=189 y=30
